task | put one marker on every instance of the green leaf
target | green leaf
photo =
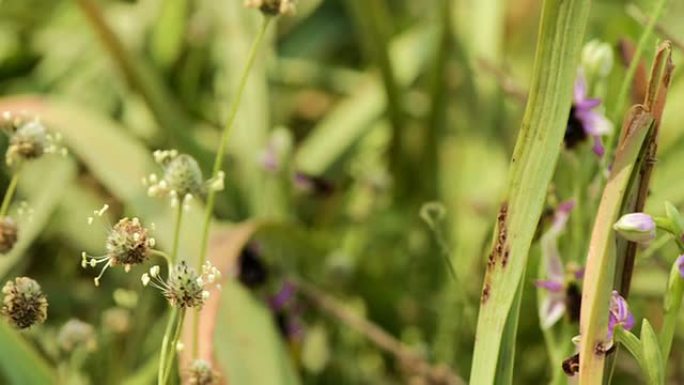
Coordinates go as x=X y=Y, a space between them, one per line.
x=653 y=357
x=19 y=362
x=601 y=261
x=536 y=152
x=250 y=350
x=42 y=184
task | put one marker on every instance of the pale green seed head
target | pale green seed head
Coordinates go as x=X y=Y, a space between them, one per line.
x=184 y=176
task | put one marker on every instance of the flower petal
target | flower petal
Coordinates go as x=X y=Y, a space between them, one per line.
x=550 y=285
x=680 y=265
x=551 y=311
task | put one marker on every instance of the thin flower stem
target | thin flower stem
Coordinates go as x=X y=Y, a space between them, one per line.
x=176 y=234
x=166 y=358
x=162 y=254
x=211 y=198
x=165 y=346
x=9 y=194
x=226 y=134
x=174 y=343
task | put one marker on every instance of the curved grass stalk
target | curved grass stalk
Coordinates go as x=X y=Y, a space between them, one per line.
x=225 y=134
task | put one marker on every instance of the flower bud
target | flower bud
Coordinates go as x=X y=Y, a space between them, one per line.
x=29 y=142
x=184 y=176
x=272 y=7
x=201 y=373
x=24 y=304
x=597 y=58
x=680 y=265
x=183 y=289
x=76 y=334
x=636 y=227
x=8 y=234
x=128 y=243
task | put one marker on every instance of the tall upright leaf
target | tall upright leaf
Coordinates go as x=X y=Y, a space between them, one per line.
x=536 y=152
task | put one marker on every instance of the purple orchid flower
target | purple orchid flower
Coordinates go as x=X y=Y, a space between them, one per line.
x=619 y=314
x=584 y=120
x=554 y=304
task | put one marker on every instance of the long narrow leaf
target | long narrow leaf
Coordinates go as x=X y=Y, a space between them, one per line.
x=539 y=142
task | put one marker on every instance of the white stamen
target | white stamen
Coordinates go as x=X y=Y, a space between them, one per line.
x=102 y=210
x=145 y=279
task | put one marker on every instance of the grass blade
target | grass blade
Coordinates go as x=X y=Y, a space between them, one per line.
x=560 y=38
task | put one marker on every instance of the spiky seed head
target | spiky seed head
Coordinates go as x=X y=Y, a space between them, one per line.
x=128 y=243
x=182 y=287
x=272 y=7
x=8 y=234
x=76 y=334
x=24 y=304
x=184 y=176
x=201 y=373
x=29 y=141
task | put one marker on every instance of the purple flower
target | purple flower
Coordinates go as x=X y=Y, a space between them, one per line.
x=619 y=314
x=636 y=227
x=554 y=304
x=584 y=120
x=283 y=296
x=680 y=265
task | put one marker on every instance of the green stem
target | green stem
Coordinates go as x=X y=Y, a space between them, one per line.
x=9 y=194
x=141 y=77
x=631 y=71
x=374 y=26
x=176 y=233
x=672 y=305
x=174 y=343
x=162 y=254
x=211 y=198
x=165 y=346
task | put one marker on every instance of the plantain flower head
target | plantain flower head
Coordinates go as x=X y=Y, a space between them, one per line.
x=24 y=303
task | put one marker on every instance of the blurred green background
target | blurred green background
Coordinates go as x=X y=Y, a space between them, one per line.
x=370 y=108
